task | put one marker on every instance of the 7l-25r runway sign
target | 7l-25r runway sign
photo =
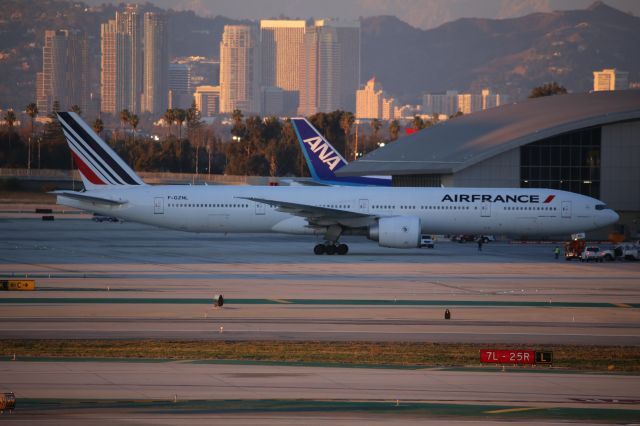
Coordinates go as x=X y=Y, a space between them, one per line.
x=515 y=356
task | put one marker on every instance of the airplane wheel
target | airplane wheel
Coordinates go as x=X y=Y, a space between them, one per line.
x=319 y=249
x=330 y=249
x=342 y=249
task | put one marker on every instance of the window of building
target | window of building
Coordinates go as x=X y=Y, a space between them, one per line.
x=570 y=162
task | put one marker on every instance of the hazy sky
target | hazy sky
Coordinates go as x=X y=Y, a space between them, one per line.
x=419 y=13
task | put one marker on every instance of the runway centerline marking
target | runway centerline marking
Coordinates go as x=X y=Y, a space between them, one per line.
x=513 y=410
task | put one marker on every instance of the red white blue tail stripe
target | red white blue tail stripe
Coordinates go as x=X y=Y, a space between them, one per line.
x=97 y=162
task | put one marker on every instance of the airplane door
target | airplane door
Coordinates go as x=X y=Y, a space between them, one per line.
x=485 y=210
x=158 y=205
x=363 y=205
x=566 y=209
x=260 y=208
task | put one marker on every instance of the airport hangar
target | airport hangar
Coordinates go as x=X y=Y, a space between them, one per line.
x=588 y=143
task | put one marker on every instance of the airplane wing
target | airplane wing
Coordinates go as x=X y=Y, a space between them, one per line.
x=322 y=216
x=88 y=198
x=304 y=182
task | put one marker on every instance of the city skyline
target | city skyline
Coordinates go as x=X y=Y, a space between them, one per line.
x=325 y=79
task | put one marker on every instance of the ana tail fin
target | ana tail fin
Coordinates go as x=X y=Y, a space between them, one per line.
x=322 y=159
x=99 y=165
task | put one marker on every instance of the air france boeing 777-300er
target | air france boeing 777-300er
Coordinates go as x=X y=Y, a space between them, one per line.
x=324 y=160
x=392 y=216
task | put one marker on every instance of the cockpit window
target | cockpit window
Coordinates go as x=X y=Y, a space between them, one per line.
x=601 y=207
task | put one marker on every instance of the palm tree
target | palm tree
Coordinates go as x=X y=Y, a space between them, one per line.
x=98 y=126
x=375 y=126
x=125 y=115
x=169 y=117
x=10 y=121
x=418 y=123
x=180 y=115
x=346 y=121
x=76 y=109
x=32 y=112
x=134 y=121
x=237 y=117
x=394 y=130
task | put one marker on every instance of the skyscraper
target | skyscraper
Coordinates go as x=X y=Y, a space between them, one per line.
x=320 y=71
x=239 y=69
x=65 y=71
x=369 y=100
x=121 y=64
x=180 y=93
x=330 y=69
x=156 y=63
x=348 y=33
x=282 y=43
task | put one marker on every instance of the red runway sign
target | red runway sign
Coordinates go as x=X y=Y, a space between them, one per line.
x=499 y=356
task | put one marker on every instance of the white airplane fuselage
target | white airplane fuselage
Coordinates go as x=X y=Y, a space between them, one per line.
x=222 y=209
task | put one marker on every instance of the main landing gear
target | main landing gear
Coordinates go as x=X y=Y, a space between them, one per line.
x=331 y=245
x=331 y=248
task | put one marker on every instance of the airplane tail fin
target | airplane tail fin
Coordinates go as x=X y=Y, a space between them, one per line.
x=99 y=165
x=322 y=159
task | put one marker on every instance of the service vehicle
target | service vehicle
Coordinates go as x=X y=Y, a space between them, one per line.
x=573 y=249
x=426 y=241
x=591 y=253
x=631 y=252
x=607 y=254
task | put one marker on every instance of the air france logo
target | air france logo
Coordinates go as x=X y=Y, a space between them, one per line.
x=327 y=155
x=487 y=198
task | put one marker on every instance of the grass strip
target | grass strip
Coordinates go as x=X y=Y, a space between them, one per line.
x=441 y=411
x=418 y=355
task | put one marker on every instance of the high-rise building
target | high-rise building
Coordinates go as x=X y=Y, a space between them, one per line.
x=180 y=93
x=207 y=100
x=349 y=40
x=389 y=109
x=282 y=43
x=65 y=71
x=272 y=101
x=121 y=64
x=156 y=63
x=320 y=71
x=469 y=103
x=330 y=69
x=369 y=100
x=610 y=79
x=239 y=69
x=445 y=103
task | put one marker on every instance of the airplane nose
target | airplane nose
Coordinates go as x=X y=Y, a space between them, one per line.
x=614 y=217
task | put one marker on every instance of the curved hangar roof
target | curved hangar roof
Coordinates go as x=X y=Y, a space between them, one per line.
x=456 y=144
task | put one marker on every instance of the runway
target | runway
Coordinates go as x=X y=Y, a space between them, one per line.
x=110 y=280
x=129 y=281
x=209 y=388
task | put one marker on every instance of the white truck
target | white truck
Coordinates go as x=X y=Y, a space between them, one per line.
x=627 y=251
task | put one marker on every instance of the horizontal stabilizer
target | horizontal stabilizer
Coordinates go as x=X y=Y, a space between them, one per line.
x=80 y=196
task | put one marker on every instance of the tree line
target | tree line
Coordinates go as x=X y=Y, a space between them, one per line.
x=260 y=146
x=256 y=146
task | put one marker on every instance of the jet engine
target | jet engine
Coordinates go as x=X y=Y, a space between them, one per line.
x=396 y=232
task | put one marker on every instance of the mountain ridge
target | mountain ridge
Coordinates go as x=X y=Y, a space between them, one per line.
x=508 y=56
